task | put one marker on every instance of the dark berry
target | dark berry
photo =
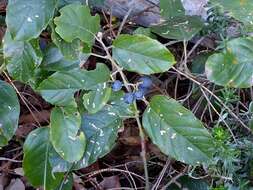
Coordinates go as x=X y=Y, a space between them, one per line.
x=143 y=89
x=145 y=81
x=139 y=94
x=117 y=85
x=43 y=44
x=129 y=98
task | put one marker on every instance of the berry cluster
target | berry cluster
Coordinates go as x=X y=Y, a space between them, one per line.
x=144 y=85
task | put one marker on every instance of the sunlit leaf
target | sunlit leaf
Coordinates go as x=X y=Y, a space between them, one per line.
x=141 y=54
x=65 y=124
x=239 y=9
x=176 y=131
x=233 y=67
x=76 y=22
x=36 y=164
x=179 y=28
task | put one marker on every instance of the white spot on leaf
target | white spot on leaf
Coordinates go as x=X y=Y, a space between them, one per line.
x=173 y=136
x=29 y=19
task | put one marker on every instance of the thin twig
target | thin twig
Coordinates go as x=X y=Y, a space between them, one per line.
x=114 y=64
x=219 y=114
x=216 y=97
x=143 y=147
x=91 y=174
x=155 y=187
x=125 y=18
x=174 y=179
x=21 y=97
x=127 y=85
x=10 y=160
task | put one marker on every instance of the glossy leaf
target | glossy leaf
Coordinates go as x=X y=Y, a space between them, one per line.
x=176 y=131
x=60 y=87
x=101 y=130
x=22 y=58
x=179 y=28
x=65 y=124
x=75 y=50
x=76 y=22
x=55 y=61
x=9 y=112
x=233 y=67
x=141 y=54
x=36 y=164
x=239 y=9
x=58 y=163
x=27 y=18
x=96 y=99
x=117 y=105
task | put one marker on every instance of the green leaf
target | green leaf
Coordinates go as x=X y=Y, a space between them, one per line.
x=67 y=184
x=36 y=164
x=65 y=124
x=117 y=105
x=76 y=22
x=171 y=8
x=58 y=163
x=198 y=63
x=176 y=131
x=26 y=19
x=190 y=184
x=22 y=58
x=141 y=54
x=145 y=31
x=96 y=99
x=75 y=50
x=60 y=87
x=101 y=130
x=179 y=28
x=62 y=3
x=9 y=112
x=96 y=2
x=238 y=9
x=55 y=61
x=233 y=67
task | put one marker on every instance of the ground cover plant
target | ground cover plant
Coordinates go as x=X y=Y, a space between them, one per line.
x=92 y=101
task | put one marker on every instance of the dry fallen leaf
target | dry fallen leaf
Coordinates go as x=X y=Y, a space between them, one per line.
x=16 y=184
x=110 y=182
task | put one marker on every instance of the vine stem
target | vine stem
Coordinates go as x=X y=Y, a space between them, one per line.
x=108 y=56
x=143 y=146
x=137 y=116
x=2 y=68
